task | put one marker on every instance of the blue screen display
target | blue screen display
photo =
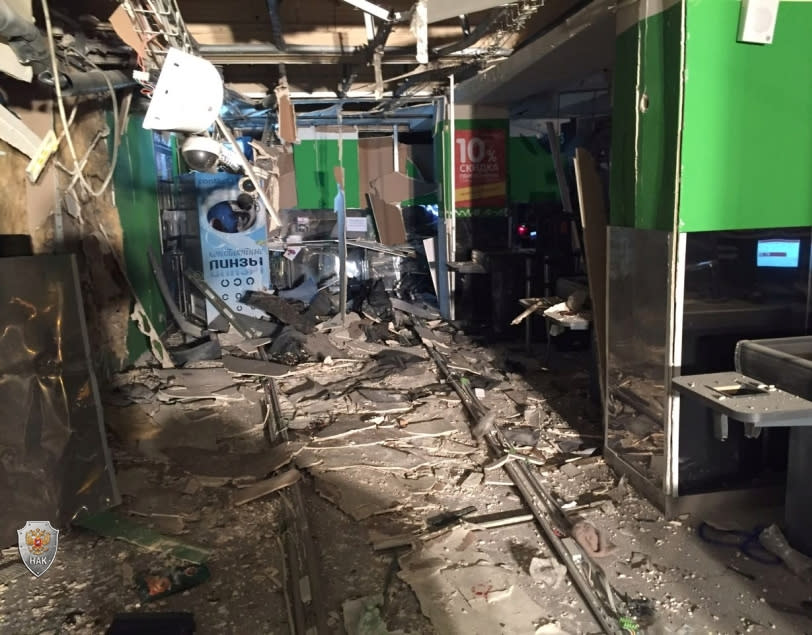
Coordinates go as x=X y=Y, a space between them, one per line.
x=778 y=253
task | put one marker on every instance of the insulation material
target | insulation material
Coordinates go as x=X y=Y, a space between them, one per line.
x=420 y=30
x=140 y=317
x=12 y=179
x=108 y=306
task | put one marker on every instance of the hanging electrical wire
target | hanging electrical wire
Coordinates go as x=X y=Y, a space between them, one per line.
x=66 y=122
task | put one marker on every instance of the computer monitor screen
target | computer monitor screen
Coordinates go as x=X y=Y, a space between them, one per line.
x=778 y=253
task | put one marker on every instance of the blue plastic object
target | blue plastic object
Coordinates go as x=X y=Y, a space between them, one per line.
x=222 y=217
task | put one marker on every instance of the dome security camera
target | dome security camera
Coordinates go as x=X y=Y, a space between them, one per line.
x=201 y=153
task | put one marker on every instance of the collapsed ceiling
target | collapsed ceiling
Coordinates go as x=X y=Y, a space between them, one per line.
x=381 y=61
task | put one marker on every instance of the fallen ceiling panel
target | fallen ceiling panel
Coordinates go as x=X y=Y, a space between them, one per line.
x=444 y=9
x=580 y=46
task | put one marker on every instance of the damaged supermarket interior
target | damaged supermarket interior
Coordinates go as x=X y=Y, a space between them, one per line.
x=405 y=317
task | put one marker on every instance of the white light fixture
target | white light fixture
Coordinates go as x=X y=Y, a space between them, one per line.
x=757 y=21
x=201 y=153
x=372 y=9
x=188 y=95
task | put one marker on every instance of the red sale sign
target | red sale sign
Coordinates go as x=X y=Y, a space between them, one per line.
x=480 y=168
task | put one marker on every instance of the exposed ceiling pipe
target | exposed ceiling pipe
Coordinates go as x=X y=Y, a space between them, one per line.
x=90 y=82
x=278 y=35
x=246 y=54
x=435 y=75
x=375 y=48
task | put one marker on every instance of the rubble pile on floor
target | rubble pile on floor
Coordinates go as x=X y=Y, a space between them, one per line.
x=366 y=423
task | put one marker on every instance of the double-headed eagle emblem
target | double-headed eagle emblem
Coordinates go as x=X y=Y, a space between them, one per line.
x=37 y=541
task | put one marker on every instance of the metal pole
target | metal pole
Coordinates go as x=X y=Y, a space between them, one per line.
x=396 y=143
x=549 y=516
x=441 y=252
x=452 y=248
x=528 y=290
x=342 y=254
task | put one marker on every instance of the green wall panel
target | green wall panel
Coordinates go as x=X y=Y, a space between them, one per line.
x=624 y=114
x=747 y=144
x=645 y=132
x=531 y=173
x=315 y=182
x=135 y=183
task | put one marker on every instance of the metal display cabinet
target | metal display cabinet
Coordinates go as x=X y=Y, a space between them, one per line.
x=678 y=304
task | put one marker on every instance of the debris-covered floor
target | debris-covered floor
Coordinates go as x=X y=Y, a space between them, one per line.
x=413 y=527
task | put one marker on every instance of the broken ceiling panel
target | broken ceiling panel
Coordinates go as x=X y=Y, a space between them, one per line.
x=444 y=9
x=575 y=47
x=306 y=22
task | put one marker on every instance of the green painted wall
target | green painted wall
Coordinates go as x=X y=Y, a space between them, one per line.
x=747 y=143
x=645 y=130
x=135 y=182
x=531 y=173
x=315 y=182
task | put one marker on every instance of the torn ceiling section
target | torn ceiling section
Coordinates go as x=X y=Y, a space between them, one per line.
x=323 y=314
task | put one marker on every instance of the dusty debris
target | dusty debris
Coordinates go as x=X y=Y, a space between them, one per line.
x=305 y=391
x=462 y=591
x=375 y=401
x=548 y=571
x=774 y=541
x=243 y=366
x=286 y=310
x=592 y=540
x=362 y=616
x=524 y=436
x=214 y=469
x=358 y=494
x=266 y=487
x=343 y=426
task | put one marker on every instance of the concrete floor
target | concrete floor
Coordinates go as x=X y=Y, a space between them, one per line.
x=368 y=476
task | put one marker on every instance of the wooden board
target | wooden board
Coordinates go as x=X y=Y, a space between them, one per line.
x=594 y=219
